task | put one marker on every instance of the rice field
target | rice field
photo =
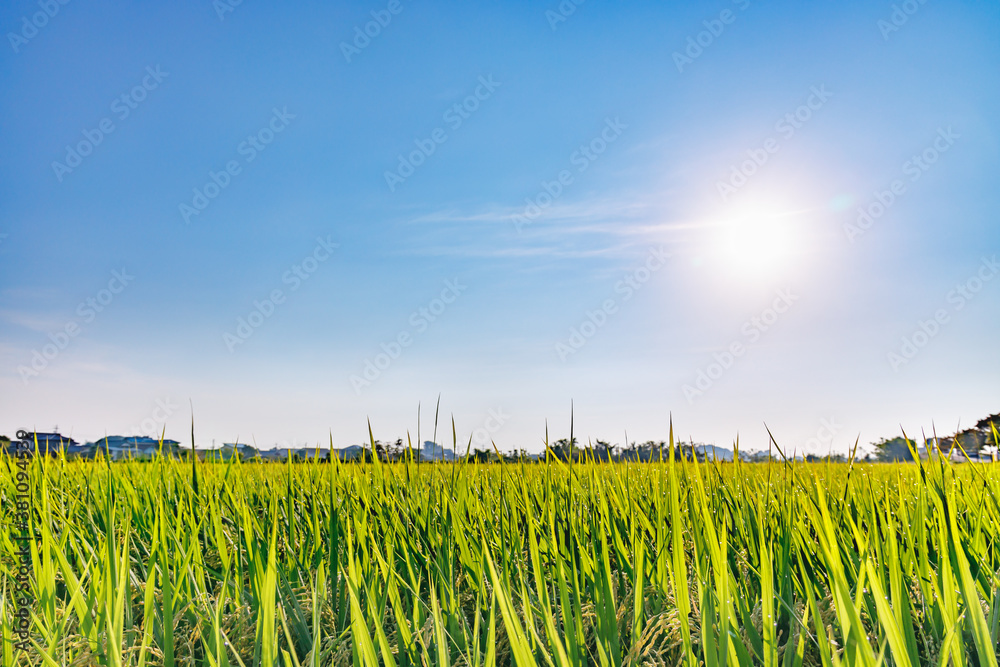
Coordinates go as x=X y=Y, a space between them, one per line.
x=672 y=563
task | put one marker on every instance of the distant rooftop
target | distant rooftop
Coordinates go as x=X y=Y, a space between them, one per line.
x=131 y=441
x=46 y=440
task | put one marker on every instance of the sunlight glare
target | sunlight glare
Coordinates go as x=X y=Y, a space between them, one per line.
x=757 y=241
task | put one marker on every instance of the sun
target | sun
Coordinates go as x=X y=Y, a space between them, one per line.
x=757 y=241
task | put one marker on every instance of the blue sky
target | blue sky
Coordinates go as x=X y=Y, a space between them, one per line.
x=645 y=208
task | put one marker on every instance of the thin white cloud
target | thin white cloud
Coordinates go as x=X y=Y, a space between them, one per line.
x=598 y=228
x=38 y=322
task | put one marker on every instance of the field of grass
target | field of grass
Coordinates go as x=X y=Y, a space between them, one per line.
x=161 y=563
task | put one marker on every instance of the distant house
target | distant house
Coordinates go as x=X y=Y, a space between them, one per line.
x=50 y=443
x=946 y=449
x=954 y=454
x=976 y=443
x=310 y=453
x=80 y=451
x=119 y=447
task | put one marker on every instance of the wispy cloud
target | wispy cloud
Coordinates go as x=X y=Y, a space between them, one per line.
x=594 y=229
x=38 y=322
x=587 y=211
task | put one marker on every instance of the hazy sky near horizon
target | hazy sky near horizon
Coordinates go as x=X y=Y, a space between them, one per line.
x=733 y=212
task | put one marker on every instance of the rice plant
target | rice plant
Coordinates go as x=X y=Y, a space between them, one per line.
x=678 y=562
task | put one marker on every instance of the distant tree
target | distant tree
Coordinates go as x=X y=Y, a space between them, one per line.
x=989 y=424
x=651 y=450
x=603 y=451
x=984 y=435
x=483 y=456
x=972 y=440
x=830 y=458
x=891 y=450
x=362 y=455
x=563 y=449
x=989 y=432
x=396 y=450
x=517 y=456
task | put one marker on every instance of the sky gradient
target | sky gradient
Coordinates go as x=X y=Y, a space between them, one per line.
x=736 y=213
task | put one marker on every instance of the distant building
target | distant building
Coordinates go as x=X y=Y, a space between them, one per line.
x=80 y=451
x=310 y=453
x=946 y=449
x=119 y=447
x=49 y=443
